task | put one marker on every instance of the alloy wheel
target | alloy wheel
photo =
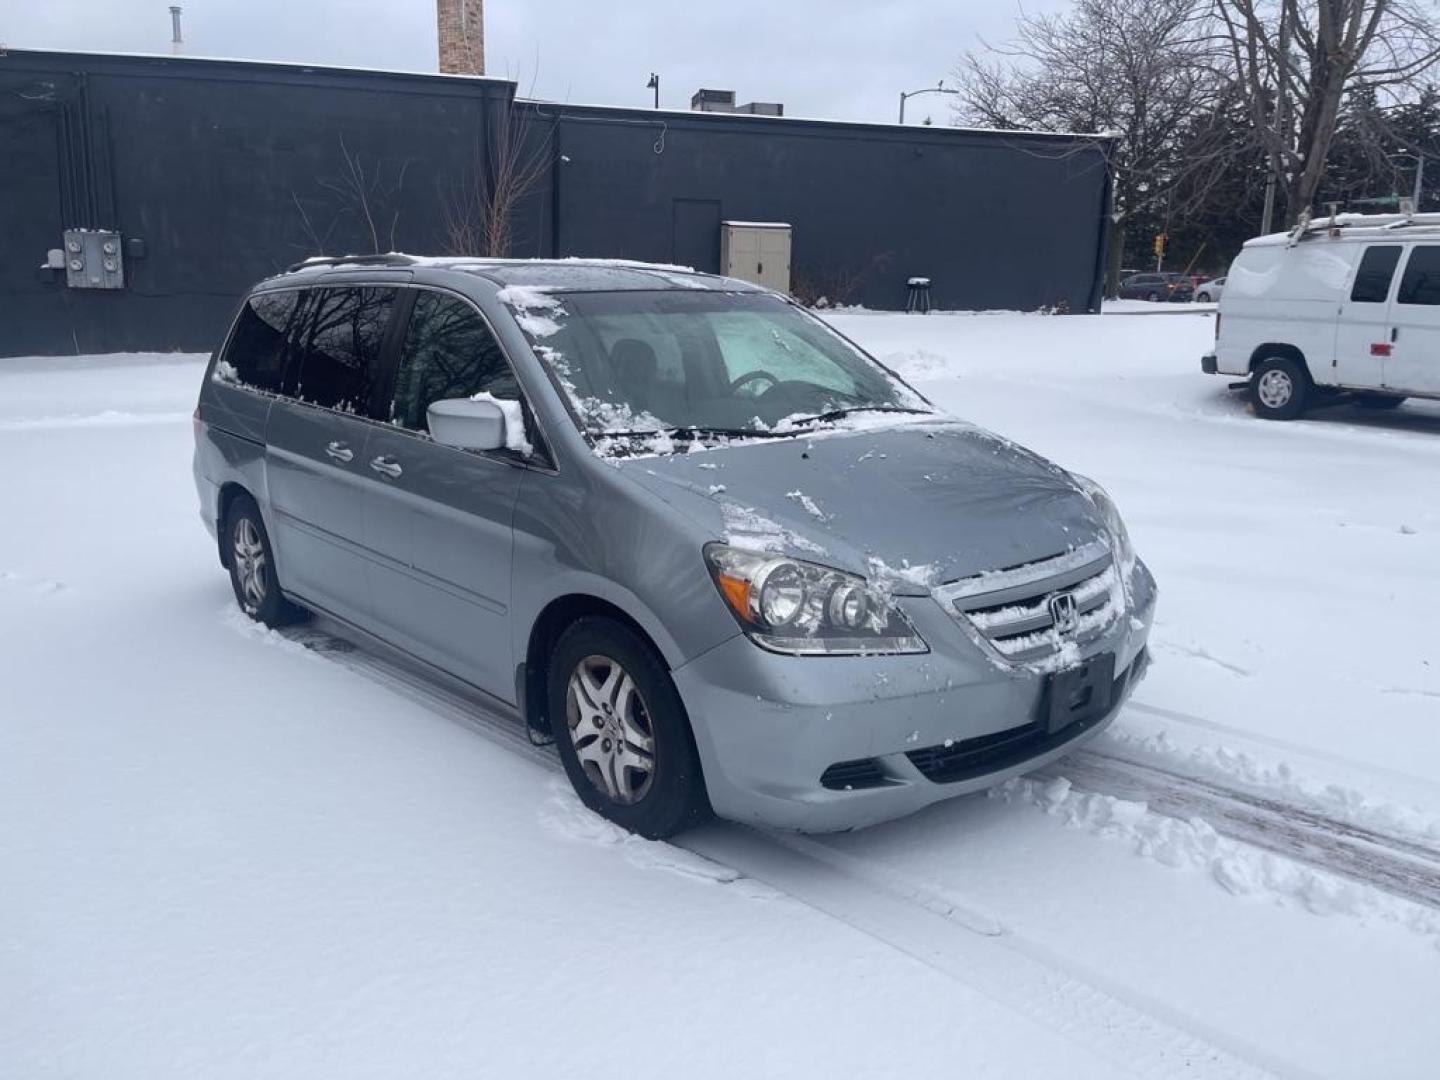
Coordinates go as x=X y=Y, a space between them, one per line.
x=249 y=558
x=610 y=728
x=1276 y=389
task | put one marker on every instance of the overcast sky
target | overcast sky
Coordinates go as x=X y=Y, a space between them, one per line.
x=843 y=59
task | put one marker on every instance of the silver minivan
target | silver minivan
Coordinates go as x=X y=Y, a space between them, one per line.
x=725 y=558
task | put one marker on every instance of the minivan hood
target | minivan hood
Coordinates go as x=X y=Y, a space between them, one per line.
x=917 y=504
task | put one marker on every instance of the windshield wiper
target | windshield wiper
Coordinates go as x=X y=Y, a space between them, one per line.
x=837 y=414
x=696 y=431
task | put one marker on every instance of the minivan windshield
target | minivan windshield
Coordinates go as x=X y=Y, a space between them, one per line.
x=695 y=363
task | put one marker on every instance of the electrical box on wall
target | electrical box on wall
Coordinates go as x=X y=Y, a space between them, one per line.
x=756 y=251
x=94 y=259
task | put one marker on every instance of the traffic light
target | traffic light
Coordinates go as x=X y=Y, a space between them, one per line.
x=1159 y=244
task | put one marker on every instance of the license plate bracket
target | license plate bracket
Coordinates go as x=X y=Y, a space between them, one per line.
x=1078 y=694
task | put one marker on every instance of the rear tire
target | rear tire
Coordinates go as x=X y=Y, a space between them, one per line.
x=1203 y=298
x=622 y=731
x=1279 y=388
x=1154 y=297
x=252 y=567
x=1378 y=401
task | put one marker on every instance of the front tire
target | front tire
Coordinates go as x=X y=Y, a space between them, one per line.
x=1279 y=388
x=252 y=567
x=622 y=731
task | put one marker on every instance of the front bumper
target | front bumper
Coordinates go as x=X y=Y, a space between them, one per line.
x=768 y=727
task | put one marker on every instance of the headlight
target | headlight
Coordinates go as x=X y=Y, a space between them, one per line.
x=1120 y=545
x=790 y=606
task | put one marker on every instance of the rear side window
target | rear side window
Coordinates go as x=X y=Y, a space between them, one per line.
x=1421 y=283
x=255 y=355
x=449 y=352
x=338 y=351
x=1372 y=280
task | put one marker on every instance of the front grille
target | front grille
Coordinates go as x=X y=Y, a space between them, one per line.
x=854 y=775
x=1011 y=609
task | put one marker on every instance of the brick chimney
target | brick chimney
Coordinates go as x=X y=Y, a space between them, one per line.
x=461 y=25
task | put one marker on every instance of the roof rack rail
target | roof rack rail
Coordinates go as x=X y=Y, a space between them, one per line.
x=1334 y=224
x=391 y=259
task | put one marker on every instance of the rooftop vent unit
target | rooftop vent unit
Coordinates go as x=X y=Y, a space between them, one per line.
x=724 y=101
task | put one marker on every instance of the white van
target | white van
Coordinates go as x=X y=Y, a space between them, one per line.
x=1346 y=305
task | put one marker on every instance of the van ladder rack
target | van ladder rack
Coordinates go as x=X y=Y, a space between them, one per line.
x=391 y=259
x=1350 y=223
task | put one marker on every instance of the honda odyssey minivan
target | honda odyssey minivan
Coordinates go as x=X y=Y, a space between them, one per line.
x=725 y=558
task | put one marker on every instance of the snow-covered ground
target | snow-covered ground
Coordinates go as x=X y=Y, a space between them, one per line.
x=224 y=854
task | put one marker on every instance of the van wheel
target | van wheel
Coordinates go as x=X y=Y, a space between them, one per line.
x=1378 y=401
x=252 y=567
x=622 y=731
x=1278 y=388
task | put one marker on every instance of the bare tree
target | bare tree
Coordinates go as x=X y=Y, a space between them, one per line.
x=368 y=192
x=1295 y=60
x=1141 y=70
x=480 y=207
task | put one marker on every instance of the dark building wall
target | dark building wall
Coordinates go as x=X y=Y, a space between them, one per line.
x=996 y=220
x=232 y=171
x=228 y=172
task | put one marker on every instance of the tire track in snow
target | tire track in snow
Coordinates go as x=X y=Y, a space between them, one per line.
x=1405 y=867
x=1144 y=1038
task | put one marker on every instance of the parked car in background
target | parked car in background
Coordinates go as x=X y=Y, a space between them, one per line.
x=1159 y=286
x=1207 y=292
x=727 y=559
x=1344 y=307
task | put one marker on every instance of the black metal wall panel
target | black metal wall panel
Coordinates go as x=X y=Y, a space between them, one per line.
x=995 y=220
x=231 y=171
x=228 y=172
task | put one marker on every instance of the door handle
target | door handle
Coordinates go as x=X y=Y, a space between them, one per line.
x=339 y=451
x=389 y=466
x=1394 y=333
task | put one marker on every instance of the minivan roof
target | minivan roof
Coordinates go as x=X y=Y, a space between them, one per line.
x=561 y=275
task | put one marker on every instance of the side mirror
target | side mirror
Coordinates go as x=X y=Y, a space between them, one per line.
x=466 y=424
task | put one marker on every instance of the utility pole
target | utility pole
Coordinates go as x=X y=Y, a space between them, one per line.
x=177 y=43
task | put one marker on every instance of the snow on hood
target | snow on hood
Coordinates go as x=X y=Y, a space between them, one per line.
x=911 y=506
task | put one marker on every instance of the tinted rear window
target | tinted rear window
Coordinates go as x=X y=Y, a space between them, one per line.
x=255 y=355
x=1421 y=283
x=339 y=348
x=1372 y=280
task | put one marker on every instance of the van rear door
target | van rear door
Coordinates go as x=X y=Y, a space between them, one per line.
x=1414 y=361
x=1362 y=335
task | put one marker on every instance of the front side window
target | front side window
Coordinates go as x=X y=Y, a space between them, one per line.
x=701 y=363
x=1372 y=280
x=449 y=352
x=255 y=355
x=1421 y=283
x=339 y=348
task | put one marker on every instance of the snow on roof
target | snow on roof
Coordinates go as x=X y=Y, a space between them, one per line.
x=1353 y=225
x=299 y=65
x=1104 y=136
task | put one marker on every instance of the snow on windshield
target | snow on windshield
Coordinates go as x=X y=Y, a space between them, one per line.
x=654 y=371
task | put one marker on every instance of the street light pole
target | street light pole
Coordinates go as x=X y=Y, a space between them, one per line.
x=940 y=88
x=654 y=84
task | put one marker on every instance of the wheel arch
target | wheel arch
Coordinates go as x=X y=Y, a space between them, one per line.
x=1278 y=348
x=560 y=613
x=229 y=492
